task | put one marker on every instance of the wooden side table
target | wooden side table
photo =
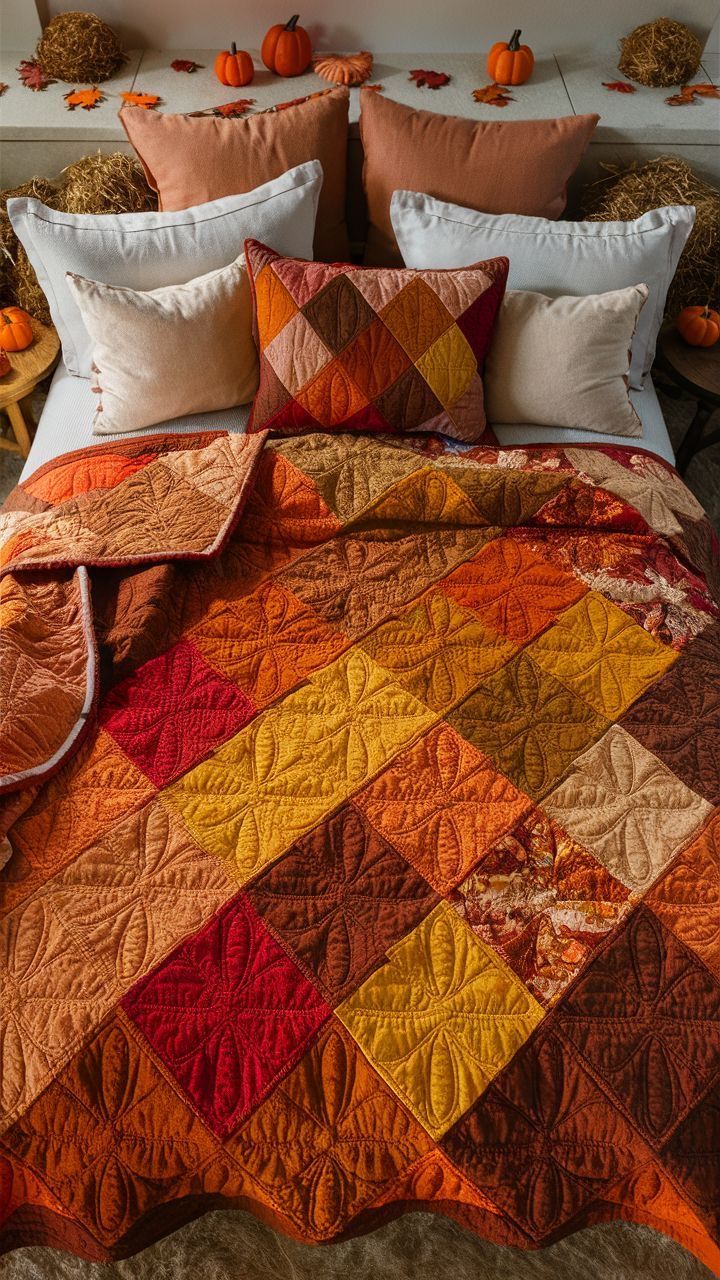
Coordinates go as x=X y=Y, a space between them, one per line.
x=28 y=368
x=697 y=371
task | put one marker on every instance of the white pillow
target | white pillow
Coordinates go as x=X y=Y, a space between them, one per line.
x=555 y=258
x=149 y=250
x=163 y=353
x=563 y=362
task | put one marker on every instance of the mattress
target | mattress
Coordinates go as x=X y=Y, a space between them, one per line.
x=66 y=424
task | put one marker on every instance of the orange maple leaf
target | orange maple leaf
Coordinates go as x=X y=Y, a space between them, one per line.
x=493 y=95
x=85 y=98
x=145 y=100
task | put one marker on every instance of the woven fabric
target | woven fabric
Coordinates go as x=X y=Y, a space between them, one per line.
x=346 y=348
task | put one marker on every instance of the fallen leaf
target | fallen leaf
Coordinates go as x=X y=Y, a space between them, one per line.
x=620 y=86
x=376 y=88
x=185 y=64
x=237 y=108
x=3 y=87
x=429 y=79
x=85 y=98
x=145 y=100
x=689 y=92
x=493 y=95
x=32 y=75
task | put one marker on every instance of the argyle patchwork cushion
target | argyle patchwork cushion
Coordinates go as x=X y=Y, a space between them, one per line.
x=345 y=348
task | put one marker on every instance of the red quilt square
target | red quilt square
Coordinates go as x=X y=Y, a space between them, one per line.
x=172 y=711
x=229 y=1014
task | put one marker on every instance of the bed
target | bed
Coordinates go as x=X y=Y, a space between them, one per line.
x=361 y=833
x=66 y=423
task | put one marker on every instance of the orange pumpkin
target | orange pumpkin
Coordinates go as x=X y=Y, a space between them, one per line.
x=699 y=326
x=15 y=329
x=510 y=62
x=234 y=67
x=287 y=50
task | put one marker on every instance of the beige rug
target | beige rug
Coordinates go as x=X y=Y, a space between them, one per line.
x=233 y=1246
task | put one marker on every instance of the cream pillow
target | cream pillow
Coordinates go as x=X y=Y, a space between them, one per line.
x=564 y=362
x=184 y=348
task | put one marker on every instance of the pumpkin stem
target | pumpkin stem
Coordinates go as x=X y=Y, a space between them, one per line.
x=514 y=41
x=233 y=49
x=291 y=25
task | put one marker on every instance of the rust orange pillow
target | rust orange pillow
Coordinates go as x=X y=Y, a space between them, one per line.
x=346 y=348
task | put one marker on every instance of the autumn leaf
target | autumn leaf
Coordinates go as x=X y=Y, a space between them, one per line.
x=185 y=64
x=237 y=108
x=32 y=75
x=145 y=100
x=429 y=79
x=376 y=88
x=3 y=87
x=619 y=86
x=493 y=95
x=689 y=92
x=85 y=98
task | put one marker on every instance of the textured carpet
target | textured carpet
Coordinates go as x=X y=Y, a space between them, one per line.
x=233 y=1246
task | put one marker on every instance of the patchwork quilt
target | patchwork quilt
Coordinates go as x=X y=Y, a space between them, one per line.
x=359 y=841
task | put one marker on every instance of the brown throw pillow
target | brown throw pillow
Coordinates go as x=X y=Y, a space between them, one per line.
x=518 y=166
x=191 y=159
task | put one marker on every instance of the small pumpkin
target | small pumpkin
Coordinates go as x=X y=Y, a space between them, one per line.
x=350 y=69
x=287 y=50
x=5 y=365
x=234 y=66
x=509 y=61
x=15 y=329
x=699 y=326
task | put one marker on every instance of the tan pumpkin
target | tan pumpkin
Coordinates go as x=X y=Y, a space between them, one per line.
x=509 y=61
x=234 y=66
x=287 y=50
x=699 y=326
x=350 y=69
x=16 y=331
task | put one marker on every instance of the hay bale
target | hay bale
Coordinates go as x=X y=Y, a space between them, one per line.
x=113 y=183
x=660 y=53
x=18 y=282
x=79 y=47
x=624 y=194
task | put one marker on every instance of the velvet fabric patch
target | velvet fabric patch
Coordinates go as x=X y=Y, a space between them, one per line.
x=352 y=348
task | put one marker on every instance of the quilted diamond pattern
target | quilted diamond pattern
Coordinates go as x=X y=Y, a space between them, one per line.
x=380 y=350
x=411 y=1020
x=228 y=1013
x=339 y=898
x=384 y=874
x=543 y=902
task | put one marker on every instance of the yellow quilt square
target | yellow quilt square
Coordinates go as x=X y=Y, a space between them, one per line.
x=440 y=1019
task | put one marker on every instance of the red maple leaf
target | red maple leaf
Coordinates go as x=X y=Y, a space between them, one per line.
x=429 y=79
x=32 y=75
x=702 y=90
x=185 y=64
x=620 y=86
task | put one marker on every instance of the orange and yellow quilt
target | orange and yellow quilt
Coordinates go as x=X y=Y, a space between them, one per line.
x=359 y=841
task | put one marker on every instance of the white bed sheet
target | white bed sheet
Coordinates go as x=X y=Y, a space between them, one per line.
x=66 y=424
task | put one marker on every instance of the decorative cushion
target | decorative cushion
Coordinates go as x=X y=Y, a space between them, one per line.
x=554 y=257
x=185 y=348
x=189 y=159
x=346 y=348
x=514 y=166
x=148 y=250
x=563 y=362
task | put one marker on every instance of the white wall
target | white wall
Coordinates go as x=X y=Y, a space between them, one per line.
x=391 y=25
